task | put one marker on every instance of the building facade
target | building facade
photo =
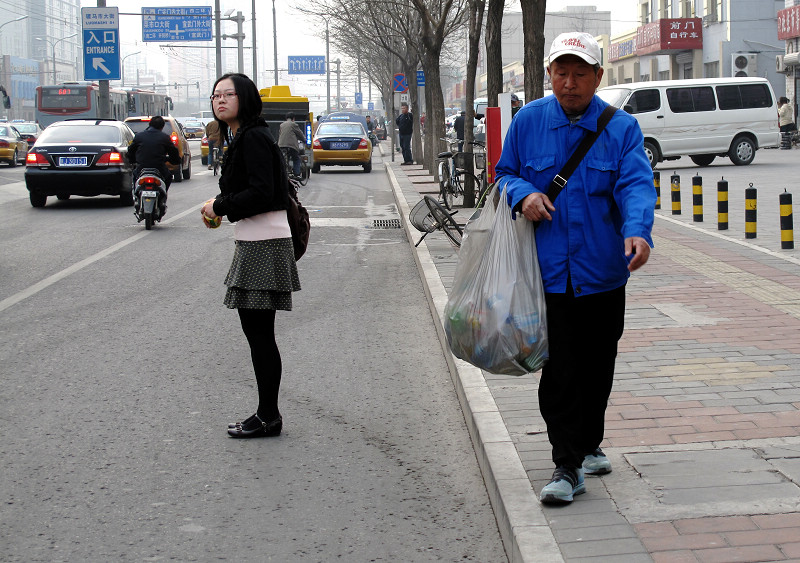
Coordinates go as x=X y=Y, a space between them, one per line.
x=679 y=39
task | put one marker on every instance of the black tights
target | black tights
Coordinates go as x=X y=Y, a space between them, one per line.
x=259 y=328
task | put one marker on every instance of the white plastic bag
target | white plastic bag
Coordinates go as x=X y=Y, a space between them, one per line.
x=495 y=316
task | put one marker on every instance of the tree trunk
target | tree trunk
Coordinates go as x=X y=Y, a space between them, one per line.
x=476 y=9
x=533 y=12
x=494 y=53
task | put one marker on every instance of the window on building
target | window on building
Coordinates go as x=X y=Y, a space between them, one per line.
x=645 y=13
x=663 y=75
x=711 y=70
x=665 y=9
x=685 y=100
x=687 y=8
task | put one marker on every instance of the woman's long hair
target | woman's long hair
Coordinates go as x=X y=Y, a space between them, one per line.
x=249 y=101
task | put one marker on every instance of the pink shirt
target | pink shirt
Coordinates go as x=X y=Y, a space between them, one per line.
x=264 y=226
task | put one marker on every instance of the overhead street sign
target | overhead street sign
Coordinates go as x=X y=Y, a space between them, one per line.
x=309 y=64
x=178 y=23
x=100 y=43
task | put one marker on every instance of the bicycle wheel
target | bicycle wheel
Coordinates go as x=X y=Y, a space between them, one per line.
x=445 y=195
x=444 y=221
x=304 y=174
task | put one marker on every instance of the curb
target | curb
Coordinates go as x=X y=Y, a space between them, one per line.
x=524 y=530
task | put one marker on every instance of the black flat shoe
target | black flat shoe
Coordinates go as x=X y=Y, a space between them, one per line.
x=245 y=422
x=257 y=428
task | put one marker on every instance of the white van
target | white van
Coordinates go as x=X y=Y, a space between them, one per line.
x=701 y=118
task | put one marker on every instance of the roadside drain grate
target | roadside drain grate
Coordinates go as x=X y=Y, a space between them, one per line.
x=386 y=224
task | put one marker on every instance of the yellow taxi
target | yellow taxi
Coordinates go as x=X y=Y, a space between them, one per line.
x=13 y=148
x=341 y=143
x=174 y=129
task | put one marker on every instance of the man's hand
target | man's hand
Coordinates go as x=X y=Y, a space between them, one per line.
x=536 y=207
x=637 y=251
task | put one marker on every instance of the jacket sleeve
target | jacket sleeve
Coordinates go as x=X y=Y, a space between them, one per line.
x=173 y=155
x=509 y=169
x=634 y=193
x=298 y=133
x=134 y=146
x=257 y=159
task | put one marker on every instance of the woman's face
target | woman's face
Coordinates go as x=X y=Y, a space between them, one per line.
x=226 y=102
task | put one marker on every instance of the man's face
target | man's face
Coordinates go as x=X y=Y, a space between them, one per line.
x=574 y=82
x=404 y=109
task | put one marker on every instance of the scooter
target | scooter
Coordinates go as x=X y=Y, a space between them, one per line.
x=149 y=197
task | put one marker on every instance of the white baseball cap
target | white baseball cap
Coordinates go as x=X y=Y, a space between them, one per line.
x=576 y=43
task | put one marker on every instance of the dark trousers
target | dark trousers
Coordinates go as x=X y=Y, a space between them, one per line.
x=259 y=328
x=405 y=146
x=576 y=381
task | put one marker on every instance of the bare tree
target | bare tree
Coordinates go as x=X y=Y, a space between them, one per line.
x=494 y=53
x=475 y=24
x=533 y=13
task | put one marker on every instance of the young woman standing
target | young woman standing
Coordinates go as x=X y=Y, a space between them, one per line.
x=254 y=195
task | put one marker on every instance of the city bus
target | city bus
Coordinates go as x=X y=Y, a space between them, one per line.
x=80 y=100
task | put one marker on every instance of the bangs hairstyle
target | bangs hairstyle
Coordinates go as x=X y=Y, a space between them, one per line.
x=249 y=100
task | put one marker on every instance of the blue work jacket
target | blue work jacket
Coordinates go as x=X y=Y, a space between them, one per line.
x=608 y=198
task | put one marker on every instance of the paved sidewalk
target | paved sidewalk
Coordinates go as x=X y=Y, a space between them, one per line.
x=703 y=426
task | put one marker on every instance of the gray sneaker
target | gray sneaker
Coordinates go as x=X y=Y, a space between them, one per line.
x=566 y=482
x=596 y=463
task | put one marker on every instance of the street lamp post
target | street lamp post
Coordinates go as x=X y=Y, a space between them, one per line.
x=338 y=84
x=328 y=64
x=53 y=44
x=275 y=41
x=122 y=65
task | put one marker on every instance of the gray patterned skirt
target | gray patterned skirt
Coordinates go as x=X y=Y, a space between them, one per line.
x=263 y=275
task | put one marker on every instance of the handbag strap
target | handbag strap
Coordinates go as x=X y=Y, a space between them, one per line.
x=559 y=182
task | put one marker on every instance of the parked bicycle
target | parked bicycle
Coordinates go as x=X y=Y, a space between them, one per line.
x=428 y=215
x=452 y=172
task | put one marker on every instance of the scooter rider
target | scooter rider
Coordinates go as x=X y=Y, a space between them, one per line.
x=152 y=148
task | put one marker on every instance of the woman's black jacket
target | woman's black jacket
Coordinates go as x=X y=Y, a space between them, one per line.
x=253 y=178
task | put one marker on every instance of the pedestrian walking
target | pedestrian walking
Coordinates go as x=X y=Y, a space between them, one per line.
x=254 y=195
x=589 y=240
x=458 y=126
x=212 y=134
x=405 y=128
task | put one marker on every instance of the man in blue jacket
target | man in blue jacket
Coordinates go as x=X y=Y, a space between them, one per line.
x=588 y=242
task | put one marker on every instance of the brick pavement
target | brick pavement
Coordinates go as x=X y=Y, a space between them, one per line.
x=703 y=425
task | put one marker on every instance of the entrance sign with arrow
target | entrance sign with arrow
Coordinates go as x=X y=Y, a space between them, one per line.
x=100 y=43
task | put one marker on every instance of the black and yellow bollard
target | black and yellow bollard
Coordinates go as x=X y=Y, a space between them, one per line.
x=675 y=186
x=787 y=223
x=657 y=186
x=697 y=199
x=750 y=212
x=722 y=205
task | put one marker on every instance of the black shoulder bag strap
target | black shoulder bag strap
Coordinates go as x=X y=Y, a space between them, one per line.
x=560 y=180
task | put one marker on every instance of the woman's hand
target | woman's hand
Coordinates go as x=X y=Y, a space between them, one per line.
x=207 y=212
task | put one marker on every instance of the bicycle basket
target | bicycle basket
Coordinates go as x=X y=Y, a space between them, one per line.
x=460 y=159
x=480 y=160
x=420 y=216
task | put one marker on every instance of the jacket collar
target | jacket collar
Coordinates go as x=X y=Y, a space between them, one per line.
x=557 y=118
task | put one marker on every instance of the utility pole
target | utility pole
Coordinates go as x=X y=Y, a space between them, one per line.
x=218 y=37
x=255 y=57
x=328 y=63
x=275 y=41
x=103 y=102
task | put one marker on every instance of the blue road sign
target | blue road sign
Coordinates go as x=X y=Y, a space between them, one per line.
x=100 y=43
x=359 y=98
x=420 y=78
x=399 y=83
x=370 y=105
x=178 y=23
x=313 y=64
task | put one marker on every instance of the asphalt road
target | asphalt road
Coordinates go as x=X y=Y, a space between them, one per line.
x=121 y=369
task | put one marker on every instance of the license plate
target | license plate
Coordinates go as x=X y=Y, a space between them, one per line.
x=342 y=145
x=72 y=161
x=149 y=194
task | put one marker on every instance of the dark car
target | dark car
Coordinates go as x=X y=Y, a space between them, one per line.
x=86 y=157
